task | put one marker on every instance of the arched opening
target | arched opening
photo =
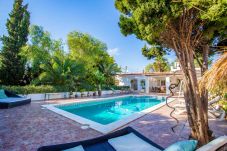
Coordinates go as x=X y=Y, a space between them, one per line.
x=143 y=84
x=134 y=84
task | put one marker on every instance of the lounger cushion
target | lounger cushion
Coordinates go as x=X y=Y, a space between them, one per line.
x=214 y=145
x=11 y=100
x=188 y=145
x=131 y=142
x=102 y=144
x=2 y=94
x=77 y=148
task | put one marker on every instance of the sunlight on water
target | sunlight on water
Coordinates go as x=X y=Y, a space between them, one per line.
x=111 y=110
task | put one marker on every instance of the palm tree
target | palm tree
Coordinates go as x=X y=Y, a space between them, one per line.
x=108 y=70
x=160 y=65
x=60 y=70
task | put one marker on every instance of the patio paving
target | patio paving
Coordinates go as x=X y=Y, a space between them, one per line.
x=30 y=126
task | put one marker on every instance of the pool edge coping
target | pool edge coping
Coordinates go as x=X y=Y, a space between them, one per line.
x=101 y=127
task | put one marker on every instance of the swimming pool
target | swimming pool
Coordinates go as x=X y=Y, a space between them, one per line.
x=108 y=114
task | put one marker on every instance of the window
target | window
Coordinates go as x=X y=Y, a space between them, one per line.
x=163 y=82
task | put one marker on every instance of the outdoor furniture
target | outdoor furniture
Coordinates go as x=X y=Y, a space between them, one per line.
x=83 y=94
x=77 y=94
x=113 y=91
x=163 y=89
x=103 y=143
x=152 y=89
x=50 y=96
x=13 y=100
x=156 y=89
x=94 y=93
x=218 y=144
x=89 y=93
x=127 y=139
x=217 y=113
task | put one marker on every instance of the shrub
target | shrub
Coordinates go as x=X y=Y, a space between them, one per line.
x=121 y=87
x=115 y=87
x=28 y=89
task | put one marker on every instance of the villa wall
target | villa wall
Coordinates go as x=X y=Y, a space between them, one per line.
x=126 y=80
x=65 y=95
x=152 y=80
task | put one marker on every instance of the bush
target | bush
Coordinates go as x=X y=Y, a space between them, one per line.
x=28 y=89
x=115 y=87
x=121 y=87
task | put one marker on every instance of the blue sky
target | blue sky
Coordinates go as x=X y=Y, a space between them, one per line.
x=99 y=18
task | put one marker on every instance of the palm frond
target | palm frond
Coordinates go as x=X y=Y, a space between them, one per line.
x=216 y=76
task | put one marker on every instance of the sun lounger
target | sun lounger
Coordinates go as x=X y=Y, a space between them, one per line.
x=217 y=113
x=126 y=139
x=219 y=144
x=13 y=100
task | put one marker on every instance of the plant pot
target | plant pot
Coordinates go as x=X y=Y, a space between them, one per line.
x=99 y=93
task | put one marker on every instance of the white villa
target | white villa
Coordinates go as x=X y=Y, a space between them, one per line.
x=152 y=82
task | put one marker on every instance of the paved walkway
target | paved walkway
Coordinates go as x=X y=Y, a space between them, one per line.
x=30 y=126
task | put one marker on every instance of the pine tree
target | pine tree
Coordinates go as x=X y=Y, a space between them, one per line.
x=188 y=28
x=13 y=65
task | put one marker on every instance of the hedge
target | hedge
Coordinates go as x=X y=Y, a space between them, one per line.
x=29 y=89
x=115 y=87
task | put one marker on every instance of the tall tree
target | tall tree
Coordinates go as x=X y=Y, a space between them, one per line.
x=13 y=65
x=99 y=65
x=181 y=26
x=38 y=50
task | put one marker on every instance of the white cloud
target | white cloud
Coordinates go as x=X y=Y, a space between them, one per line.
x=113 y=52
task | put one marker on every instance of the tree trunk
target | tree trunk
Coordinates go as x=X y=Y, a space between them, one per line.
x=99 y=90
x=196 y=110
x=204 y=91
x=184 y=37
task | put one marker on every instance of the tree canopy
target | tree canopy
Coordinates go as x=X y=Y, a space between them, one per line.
x=100 y=66
x=151 y=21
x=86 y=66
x=189 y=28
x=38 y=51
x=60 y=70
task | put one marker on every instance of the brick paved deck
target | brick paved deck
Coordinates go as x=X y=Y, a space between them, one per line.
x=30 y=126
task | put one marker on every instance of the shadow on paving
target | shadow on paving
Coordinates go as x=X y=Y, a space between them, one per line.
x=29 y=127
x=158 y=128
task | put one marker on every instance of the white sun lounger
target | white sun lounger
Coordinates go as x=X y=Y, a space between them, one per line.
x=214 y=145
x=181 y=109
x=126 y=139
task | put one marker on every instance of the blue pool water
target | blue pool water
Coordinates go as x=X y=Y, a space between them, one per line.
x=111 y=110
